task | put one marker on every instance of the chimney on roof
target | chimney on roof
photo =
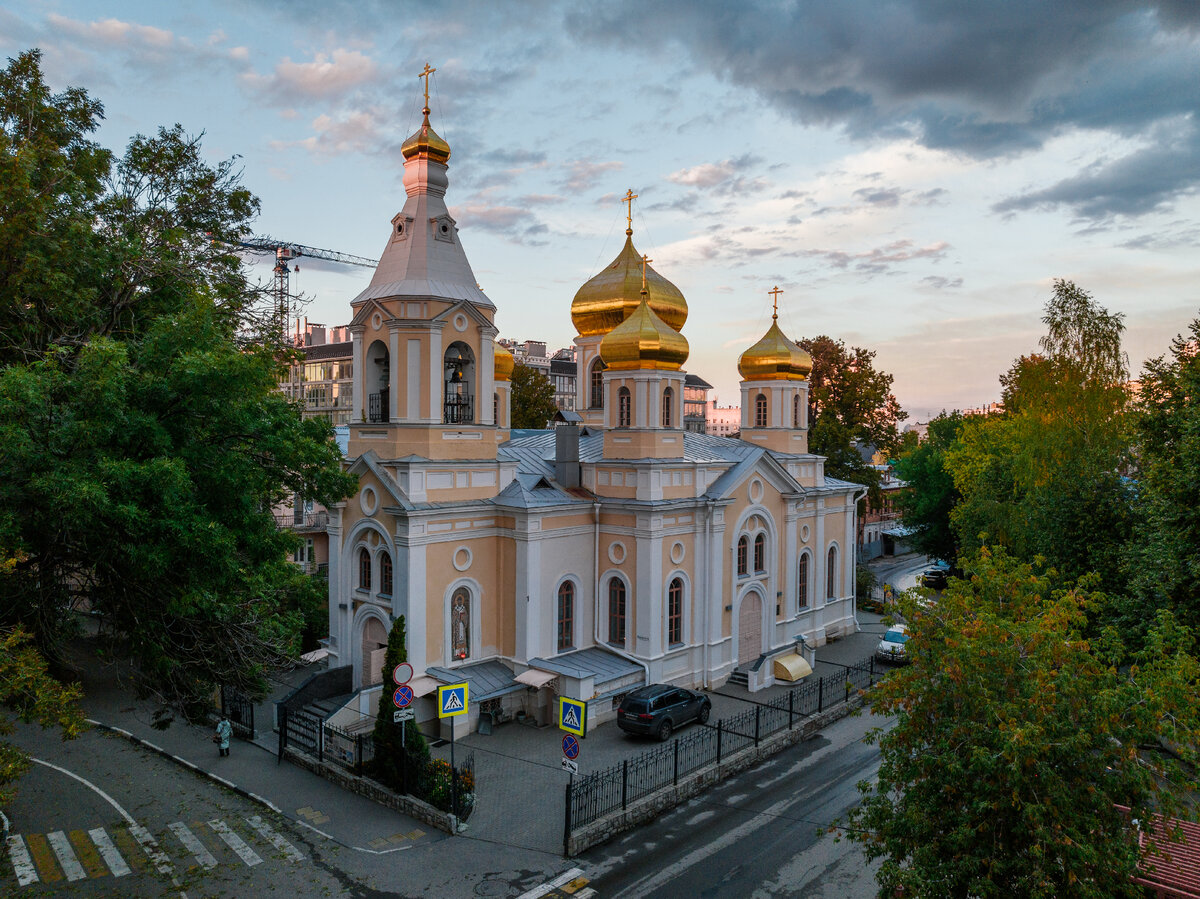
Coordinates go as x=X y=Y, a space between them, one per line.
x=566 y=447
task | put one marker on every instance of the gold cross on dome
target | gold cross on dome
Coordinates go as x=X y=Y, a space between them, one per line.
x=629 y=197
x=425 y=74
x=646 y=260
x=775 y=302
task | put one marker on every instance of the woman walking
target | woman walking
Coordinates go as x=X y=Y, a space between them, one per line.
x=224 y=733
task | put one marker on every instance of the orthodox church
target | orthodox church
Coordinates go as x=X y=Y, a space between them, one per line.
x=611 y=551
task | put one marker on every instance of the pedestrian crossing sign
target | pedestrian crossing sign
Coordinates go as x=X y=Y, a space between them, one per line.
x=452 y=700
x=572 y=716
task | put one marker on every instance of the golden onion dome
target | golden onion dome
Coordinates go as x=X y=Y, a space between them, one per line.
x=611 y=296
x=426 y=142
x=775 y=358
x=644 y=341
x=504 y=363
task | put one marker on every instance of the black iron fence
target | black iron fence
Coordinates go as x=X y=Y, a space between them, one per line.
x=432 y=780
x=238 y=708
x=599 y=793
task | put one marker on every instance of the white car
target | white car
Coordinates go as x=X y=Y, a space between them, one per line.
x=891 y=647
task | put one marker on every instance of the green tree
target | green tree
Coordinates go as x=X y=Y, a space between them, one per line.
x=850 y=402
x=531 y=398
x=391 y=751
x=929 y=497
x=146 y=441
x=1016 y=737
x=1047 y=478
x=1164 y=555
x=27 y=688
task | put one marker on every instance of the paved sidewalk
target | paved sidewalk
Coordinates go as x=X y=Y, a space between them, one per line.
x=251 y=769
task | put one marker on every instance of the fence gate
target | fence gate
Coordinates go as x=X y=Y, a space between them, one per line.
x=299 y=729
x=240 y=711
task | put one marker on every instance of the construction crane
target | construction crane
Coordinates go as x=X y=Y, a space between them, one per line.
x=284 y=252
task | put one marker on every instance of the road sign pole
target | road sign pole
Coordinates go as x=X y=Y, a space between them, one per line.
x=453 y=778
x=403 y=759
x=567 y=817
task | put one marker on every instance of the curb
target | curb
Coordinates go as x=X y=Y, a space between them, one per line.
x=146 y=744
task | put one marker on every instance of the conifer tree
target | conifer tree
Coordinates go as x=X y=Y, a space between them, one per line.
x=390 y=748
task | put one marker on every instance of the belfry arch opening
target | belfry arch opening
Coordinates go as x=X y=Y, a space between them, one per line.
x=458 y=405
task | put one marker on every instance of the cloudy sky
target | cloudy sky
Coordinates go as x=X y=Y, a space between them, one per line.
x=911 y=173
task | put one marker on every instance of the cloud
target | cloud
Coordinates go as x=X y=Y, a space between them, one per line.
x=328 y=75
x=582 y=175
x=356 y=132
x=514 y=223
x=1146 y=180
x=979 y=80
x=880 y=259
x=113 y=33
x=143 y=46
x=874 y=197
x=937 y=282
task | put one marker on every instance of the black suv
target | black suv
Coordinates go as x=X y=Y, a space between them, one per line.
x=934 y=578
x=660 y=708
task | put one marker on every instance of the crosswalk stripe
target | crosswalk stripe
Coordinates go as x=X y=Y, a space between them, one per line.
x=21 y=862
x=549 y=887
x=156 y=855
x=43 y=858
x=129 y=847
x=109 y=852
x=66 y=855
x=88 y=856
x=192 y=844
x=236 y=843
x=290 y=852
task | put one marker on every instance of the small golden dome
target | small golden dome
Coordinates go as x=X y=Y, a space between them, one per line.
x=504 y=363
x=644 y=341
x=774 y=358
x=611 y=296
x=427 y=142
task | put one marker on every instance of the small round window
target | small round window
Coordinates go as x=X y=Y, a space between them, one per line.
x=400 y=228
x=445 y=228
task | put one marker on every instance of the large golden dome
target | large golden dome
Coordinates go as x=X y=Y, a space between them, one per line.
x=503 y=364
x=427 y=142
x=774 y=358
x=644 y=341
x=611 y=296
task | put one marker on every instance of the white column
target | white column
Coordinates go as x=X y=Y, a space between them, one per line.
x=338 y=619
x=360 y=400
x=412 y=381
x=417 y=622
x=437 y=378
x=487 y=385
x=394 y=376
x=822 y=553
x=649 y=595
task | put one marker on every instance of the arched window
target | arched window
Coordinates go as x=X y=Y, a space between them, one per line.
x=385 y=573
x=566 y=616
x=460 y=624
x=760 y=552
x=668 y=401
x=760 y=411
x=802 y=582
x=624 y=407
x=364 y=569
x=597 y=384
x=796 y=411
x=831 y=574
x=616 y=611
x=743 y=552
x=675 y=612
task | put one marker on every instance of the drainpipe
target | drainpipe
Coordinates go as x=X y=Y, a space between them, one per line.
x=708 y=549
x=596 y=593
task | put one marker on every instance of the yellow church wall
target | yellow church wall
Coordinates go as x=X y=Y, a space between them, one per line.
x=442 y=562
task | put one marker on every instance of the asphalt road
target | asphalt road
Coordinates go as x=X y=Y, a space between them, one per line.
x=98 y=816
x=755 y=835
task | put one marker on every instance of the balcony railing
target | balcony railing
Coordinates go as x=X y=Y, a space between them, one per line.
x=458 y=410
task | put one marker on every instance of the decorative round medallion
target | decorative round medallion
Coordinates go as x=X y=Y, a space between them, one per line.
x=616 y=552
x=804 y=532
x=460 y=322
x=376 y=321
x=756 y=491
x=368 y=500
x=462 y=559
x=678 y=551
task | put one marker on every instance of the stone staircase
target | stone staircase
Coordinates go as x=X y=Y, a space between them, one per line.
x=739 y=678
x=323 y=708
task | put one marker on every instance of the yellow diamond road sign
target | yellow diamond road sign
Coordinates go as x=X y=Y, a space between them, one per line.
x=572 y=716
x=452 y=700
